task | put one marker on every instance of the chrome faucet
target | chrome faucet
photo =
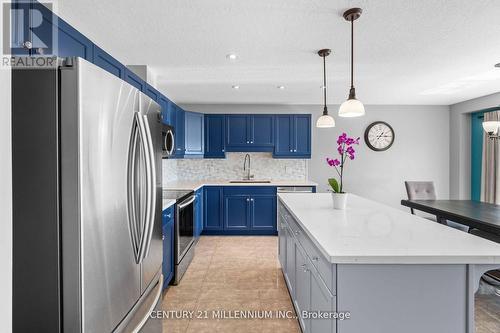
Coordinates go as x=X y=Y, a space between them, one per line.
x=248 y=176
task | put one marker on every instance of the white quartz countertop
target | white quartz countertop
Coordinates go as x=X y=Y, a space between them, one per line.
x=368 y=232
x=195 y=185
x=167 y=203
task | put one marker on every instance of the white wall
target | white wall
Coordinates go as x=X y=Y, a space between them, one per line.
x=460 y=138
x=420 y=150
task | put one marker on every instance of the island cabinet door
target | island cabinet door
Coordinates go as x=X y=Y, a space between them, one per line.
x=236 y=212
x=282 y=242
x=302 y=286
x=290 y=262
x=322 y=301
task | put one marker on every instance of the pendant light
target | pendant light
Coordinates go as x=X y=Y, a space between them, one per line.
x=325 y=121
x=492 y=128
x=352 y=107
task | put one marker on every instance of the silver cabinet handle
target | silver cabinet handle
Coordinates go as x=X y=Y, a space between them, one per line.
x=291 y=150
x=297 y=232
x=251 y=141
x=162 y=238
x=248 y=199
x=223 y=150
x=168 y=216
x=251 y=200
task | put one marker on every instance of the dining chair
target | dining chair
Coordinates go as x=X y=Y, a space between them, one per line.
x=426 y=190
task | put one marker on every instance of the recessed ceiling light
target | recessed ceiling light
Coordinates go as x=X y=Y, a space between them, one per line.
x=231 y=56
x=281 y=87
x=235 y=86
x=497 y=65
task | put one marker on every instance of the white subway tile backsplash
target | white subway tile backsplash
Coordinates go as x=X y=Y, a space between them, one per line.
x=263 y=166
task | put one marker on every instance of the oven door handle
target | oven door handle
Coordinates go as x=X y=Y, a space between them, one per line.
x=186 y=203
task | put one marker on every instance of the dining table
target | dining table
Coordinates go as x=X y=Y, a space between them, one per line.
x=474 y=214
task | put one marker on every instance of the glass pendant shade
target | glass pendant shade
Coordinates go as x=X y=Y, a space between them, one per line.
x=325 y=121
x=352 y=108
x=491 y=127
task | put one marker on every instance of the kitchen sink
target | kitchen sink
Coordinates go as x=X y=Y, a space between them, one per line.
x=247 y=181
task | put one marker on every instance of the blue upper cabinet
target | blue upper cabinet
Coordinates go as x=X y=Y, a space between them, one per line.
x=302 y=135
x=36 y=30
x=134 y=79
x=178 y=119
x=292 y=136
x=261 y=129
x=107 y=62
x=151 y=92
x=249 y=133
x=164 y=104
x=214 y=136
x=194 y=134
x=236 y=131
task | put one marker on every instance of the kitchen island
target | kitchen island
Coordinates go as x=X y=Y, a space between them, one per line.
x=385 y=269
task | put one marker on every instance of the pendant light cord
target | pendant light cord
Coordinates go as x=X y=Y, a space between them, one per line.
x=352 y=53
x=324 y=85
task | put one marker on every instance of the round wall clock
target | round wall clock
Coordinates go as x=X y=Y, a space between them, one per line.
x=379 y=136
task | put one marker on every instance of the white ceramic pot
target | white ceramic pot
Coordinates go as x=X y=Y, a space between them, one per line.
x=339 y=200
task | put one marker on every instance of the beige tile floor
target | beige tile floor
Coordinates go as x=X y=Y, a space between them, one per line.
x=243 y=273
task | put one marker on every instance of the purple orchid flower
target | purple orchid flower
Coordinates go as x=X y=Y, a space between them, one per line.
x=346 y=151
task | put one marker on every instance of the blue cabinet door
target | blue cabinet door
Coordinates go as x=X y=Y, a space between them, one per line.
x=43 y=25
x=302 y=136
x=212 y=208
x=198 y=212
x=164 y=104
x=194 y=134
x=236 y=212
x=283 y=135
x=261 y=128
x=179 y=134
x=214 y=136
x=236 y=131
x=151 y=92
x=107 y=62
x=168 y=245
x=263 y=212
x=292 y=136
x=134 y=79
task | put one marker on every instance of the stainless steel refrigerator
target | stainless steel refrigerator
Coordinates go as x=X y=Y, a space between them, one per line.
x=87 y=245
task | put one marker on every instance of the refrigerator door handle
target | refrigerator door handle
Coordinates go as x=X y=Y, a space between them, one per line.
x=152 y=207
x=147 y=153
x=131 y=189
x=159 y=287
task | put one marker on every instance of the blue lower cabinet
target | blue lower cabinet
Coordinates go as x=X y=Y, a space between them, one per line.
x=263 y=212
x=212 y=209
x=237 y=212
x=240 y=210
x=168 y=245
x=198 y=212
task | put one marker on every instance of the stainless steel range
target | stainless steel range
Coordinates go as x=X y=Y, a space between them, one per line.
x=184 y=237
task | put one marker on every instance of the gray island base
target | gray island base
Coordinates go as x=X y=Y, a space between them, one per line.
x=373 y=268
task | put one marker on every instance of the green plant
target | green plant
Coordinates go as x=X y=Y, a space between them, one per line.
x=334 y=184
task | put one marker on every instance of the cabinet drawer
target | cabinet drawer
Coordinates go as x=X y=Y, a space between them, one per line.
x=249 y=190
x=325 y=268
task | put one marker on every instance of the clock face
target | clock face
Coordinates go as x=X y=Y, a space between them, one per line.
x=379 y=136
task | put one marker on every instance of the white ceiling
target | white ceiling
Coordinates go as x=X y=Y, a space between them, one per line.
x=406 y=51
